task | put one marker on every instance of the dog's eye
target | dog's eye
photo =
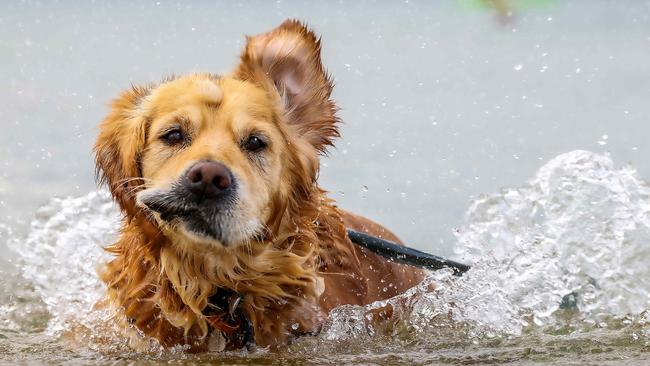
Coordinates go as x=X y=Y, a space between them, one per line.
x=254 y=144
x=173 y=137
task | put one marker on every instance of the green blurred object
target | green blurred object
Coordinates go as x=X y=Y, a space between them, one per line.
x=514 y=4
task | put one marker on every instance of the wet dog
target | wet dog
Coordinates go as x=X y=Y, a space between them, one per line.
x=227 y=238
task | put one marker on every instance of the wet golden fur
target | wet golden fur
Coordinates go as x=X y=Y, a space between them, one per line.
x=292 y=260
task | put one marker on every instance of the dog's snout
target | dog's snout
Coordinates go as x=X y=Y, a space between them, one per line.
x=209 y=179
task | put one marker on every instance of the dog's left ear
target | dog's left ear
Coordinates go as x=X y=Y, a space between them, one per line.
x=287 y=59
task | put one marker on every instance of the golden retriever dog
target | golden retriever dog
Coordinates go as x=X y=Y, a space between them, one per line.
x=227 y=238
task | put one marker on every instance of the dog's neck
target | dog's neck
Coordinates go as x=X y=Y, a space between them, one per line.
x=163 y=286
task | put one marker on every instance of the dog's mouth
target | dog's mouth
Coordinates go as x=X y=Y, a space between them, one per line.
x=213 y=222
x=193 y=219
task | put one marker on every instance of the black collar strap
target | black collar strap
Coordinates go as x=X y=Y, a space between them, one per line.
x=224 y=313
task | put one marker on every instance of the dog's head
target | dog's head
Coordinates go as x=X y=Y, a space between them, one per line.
x=216 y=160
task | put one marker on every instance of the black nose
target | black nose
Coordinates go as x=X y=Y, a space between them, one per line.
x=209 y=179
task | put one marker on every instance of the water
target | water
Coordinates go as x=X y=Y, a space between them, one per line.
x=442 y=103
x=434 y=111
x=580 y=226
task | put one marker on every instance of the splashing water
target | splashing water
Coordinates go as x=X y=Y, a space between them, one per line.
x=580 y=226
x=574 y=241
x=576 y=236
x=62 y=251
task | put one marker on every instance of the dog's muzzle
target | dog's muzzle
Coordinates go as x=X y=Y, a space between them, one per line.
x=203 y=200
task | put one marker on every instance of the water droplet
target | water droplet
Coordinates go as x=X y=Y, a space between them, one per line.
x=518 y=67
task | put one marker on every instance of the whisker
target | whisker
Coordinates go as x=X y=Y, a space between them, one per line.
x=132 y=179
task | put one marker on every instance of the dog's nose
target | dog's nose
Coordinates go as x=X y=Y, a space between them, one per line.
x=208 y=179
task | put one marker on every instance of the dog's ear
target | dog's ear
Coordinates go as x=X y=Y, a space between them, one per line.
x=287 y=59
x=119 y=146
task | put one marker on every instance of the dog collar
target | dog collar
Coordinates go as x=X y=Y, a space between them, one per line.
x=225 y=314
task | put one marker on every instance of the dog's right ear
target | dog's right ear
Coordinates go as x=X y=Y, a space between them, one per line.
x=119 y=146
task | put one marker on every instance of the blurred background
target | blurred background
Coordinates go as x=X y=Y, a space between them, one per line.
x=442 y=101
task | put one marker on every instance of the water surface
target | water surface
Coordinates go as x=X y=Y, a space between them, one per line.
x=443 y=107
x=557 y=277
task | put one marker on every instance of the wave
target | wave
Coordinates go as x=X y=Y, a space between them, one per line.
x=574 y=239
